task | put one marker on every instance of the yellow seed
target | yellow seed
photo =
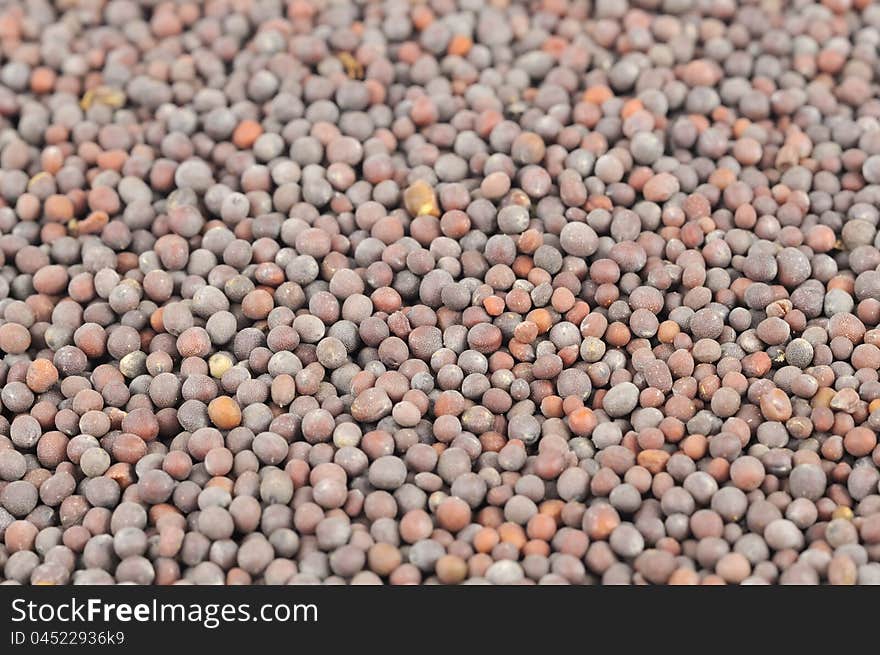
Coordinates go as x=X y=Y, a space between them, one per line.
x=113 y=98
x=842 y=512
x=133 y=364
x=420 y=199
x=218 y=364
x=353 y=67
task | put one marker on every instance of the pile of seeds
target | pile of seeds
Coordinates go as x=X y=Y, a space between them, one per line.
x=518 y=291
